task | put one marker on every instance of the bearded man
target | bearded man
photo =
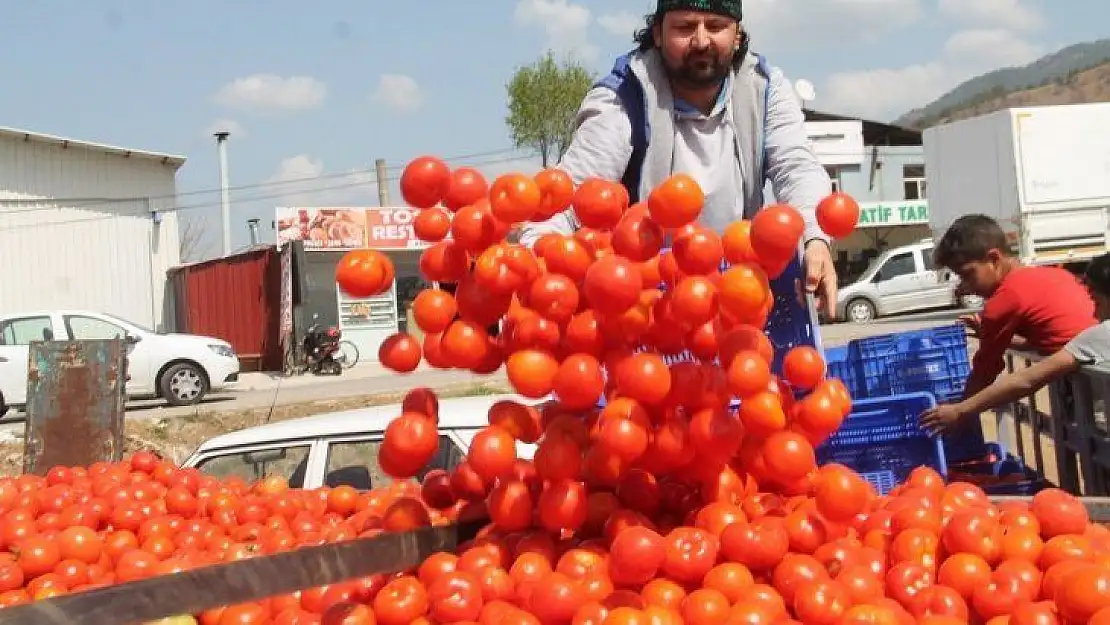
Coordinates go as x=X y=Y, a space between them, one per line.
x=694 y=99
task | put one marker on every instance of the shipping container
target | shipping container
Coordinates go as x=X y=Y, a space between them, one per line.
x=235 y=298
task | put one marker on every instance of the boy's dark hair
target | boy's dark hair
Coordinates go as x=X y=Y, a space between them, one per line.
x=969 y=239
x=1097 y=275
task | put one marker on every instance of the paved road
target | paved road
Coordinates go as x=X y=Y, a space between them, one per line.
x=264 y=391
x=841 y=333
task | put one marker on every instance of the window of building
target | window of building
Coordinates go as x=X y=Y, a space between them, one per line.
x=913 y=182
x=834 y=175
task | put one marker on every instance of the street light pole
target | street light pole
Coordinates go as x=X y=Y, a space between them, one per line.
x=225 y=197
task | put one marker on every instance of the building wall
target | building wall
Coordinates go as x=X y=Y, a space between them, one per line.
x=86 y=249
x=888 y=182
x=892 y=195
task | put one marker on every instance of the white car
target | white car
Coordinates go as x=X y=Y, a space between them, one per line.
x=341 y=447
x=181 y=368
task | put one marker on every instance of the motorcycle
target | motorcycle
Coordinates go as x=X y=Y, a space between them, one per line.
x=321 y=348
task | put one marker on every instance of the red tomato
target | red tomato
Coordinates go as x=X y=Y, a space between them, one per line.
x=775 y=233
x=364 y=273
x=838 y=214
x=400 y=352
x=425 y=181
x=636 y=556
x=466 y=187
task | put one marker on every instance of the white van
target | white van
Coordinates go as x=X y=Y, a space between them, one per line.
x=901 y=280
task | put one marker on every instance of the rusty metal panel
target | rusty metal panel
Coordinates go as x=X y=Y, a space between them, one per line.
x=75 y=398
x=237 y=299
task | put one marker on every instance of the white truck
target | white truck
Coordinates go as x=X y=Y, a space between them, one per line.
x=1043 y=172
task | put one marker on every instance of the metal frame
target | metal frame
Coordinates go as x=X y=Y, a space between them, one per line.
x=1081 y=448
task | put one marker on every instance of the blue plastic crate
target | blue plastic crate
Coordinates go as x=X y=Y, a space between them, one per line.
x=933 y=360
x=838 y=364
x=882 y=440
x=790 y=324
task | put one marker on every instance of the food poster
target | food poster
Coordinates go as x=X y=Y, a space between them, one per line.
x=322 y=229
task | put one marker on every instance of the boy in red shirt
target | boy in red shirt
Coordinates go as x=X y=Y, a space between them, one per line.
x=1030 y=308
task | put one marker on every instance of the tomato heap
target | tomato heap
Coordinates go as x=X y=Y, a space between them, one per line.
x=651 y=552
x=597 y=314
x=665 y=506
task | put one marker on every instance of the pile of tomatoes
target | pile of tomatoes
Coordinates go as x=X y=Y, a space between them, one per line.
x=665 y=506
x=647 y=551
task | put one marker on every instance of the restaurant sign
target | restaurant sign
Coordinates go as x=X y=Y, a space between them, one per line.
x=888 y=214
x=323 y=229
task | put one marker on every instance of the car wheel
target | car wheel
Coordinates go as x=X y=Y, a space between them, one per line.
x=859 y=311
x=183 y=384
x=3 y=406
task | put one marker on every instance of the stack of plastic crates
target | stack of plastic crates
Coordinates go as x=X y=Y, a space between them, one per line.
x=933 y=361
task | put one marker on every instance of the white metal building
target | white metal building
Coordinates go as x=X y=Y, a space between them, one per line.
x=86 y=226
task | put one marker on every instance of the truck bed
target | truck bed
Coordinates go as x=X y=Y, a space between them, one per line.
x=1042 y=172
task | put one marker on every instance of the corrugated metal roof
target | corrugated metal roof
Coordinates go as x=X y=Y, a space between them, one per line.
x=27 y=135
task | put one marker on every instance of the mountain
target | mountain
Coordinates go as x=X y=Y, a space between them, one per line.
x=1078 y=73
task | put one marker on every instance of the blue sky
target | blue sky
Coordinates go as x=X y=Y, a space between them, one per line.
x=318 y=90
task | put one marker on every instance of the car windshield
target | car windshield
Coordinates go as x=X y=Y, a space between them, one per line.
x=125 y=322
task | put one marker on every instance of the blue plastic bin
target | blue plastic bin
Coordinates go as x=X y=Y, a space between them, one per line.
x=883 y=442
x=839 y=365
x=933 y=360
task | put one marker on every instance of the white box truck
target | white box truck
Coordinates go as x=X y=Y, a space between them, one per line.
x=1043 y=172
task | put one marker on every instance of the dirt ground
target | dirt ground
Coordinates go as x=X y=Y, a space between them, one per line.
x=175 y=438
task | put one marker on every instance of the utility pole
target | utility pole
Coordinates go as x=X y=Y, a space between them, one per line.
x=225 y=197
x=252 y=228
x=383 y=182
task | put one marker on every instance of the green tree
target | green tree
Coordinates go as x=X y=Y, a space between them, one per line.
x=543 y=100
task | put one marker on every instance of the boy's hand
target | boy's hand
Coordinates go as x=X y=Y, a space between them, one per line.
x=940 y=420
x=973 y=322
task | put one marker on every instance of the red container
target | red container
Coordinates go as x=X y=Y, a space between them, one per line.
x=237 y=299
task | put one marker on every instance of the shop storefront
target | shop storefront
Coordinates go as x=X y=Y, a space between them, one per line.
x=882 y=225
x=328 y=233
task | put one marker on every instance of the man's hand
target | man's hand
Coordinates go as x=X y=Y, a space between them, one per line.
x=940 y=420
x=821 y=276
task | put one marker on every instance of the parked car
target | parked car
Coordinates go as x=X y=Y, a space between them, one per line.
x=901 y=280
x=181 y=368
x=341 y=447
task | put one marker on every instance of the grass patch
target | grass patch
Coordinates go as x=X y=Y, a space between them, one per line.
x=176 y=437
